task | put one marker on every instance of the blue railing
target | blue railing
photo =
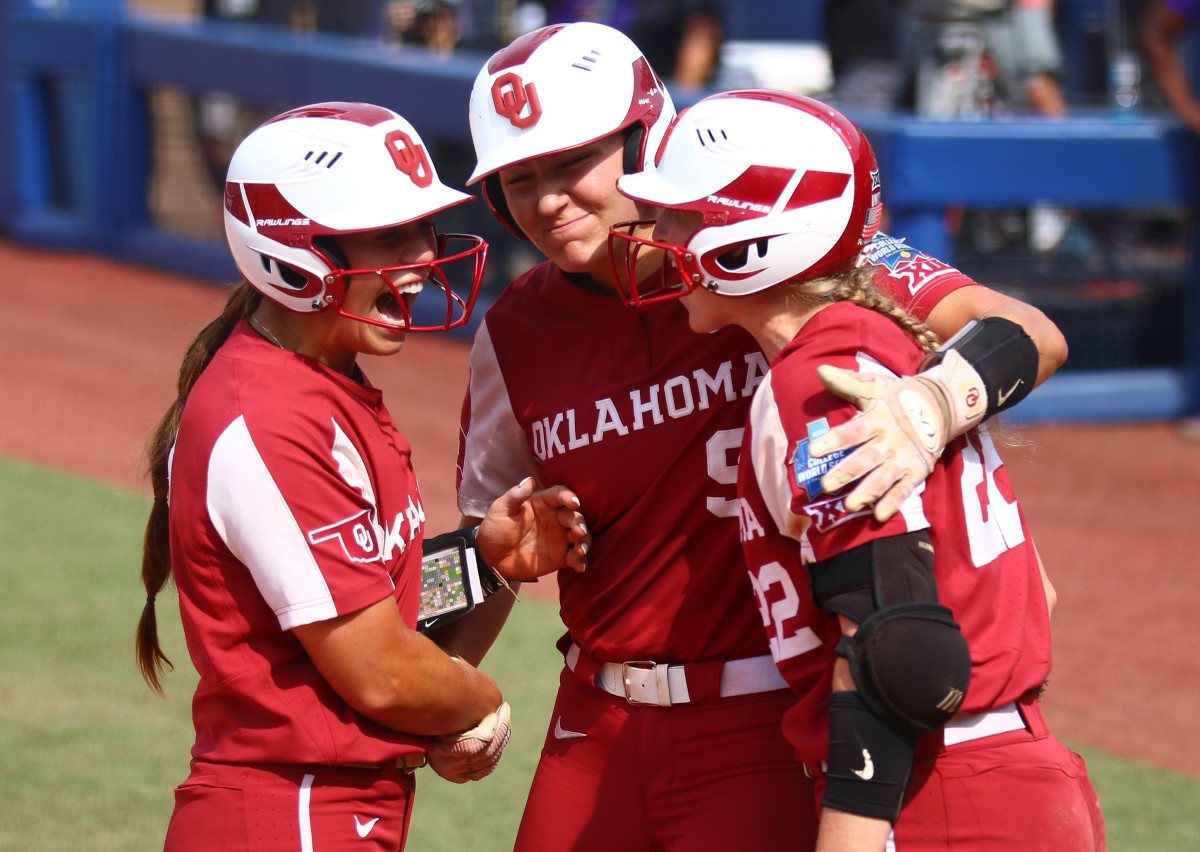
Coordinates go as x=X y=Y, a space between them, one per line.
x=76 y=153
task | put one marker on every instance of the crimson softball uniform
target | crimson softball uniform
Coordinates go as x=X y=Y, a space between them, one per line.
x=643 y=419
x=996 y=754
x=287 y=508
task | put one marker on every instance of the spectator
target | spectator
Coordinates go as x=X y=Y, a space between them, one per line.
x=1010 y=41
x=682 y=37
x=862 y=39
x=437 y=24
x=1164 y=24
x=983 y=57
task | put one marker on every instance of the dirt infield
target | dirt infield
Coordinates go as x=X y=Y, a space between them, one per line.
x=91 y=348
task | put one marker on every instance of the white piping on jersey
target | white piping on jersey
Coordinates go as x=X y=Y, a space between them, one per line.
x=305 y=815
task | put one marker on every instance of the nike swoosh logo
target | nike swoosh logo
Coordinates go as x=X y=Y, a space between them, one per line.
x=868 y=770
x=429 y=622
x=561 y=733
x=1002 y=397
x=364 y=828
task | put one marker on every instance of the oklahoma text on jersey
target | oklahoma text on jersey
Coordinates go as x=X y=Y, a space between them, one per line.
x=675 y=398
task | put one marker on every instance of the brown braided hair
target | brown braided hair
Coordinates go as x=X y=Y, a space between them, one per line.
x=156 y=545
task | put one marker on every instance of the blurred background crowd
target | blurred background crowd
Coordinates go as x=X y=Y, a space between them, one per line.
x=1113 y=277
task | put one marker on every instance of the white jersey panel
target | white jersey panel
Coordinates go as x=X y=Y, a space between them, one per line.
x=497 y=454
x=251 y=516
x=350 y=464
x=770 y=460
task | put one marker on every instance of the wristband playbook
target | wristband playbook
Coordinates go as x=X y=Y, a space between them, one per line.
x=454 y=578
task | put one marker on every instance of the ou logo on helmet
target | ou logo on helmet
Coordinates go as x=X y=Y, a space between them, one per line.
x=511 y=95
x=409 y=157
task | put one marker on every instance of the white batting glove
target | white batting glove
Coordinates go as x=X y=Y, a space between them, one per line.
x=904 y=426
x=473 y=754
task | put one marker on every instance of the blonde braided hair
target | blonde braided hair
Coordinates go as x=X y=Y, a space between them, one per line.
x=856 y=286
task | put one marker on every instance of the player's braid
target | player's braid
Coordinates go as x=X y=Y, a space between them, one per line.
x=156 y=547
x=857 y=286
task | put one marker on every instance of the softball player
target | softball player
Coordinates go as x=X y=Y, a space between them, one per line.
x=917 y=647
x=295 y=526
x=668 y=714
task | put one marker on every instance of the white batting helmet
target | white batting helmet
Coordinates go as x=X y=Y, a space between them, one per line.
x=326 y=169
x=558 y=88
x=789 y=189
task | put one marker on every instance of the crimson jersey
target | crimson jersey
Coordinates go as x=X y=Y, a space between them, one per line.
x=643 y=419
x=986 y=567
x=292 y=501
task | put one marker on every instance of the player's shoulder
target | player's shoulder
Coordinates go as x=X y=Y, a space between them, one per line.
x=848 y=336
x=282 y=394
x=842 y=327
x=914 y=279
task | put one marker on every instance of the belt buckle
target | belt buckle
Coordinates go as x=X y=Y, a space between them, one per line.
x=410 y=763
x=641 y=665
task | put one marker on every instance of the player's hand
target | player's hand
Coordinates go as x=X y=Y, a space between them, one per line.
x=904 y=426
x=473 y=754
x=527 y=534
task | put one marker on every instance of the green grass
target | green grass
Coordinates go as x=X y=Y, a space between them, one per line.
x=89 y=756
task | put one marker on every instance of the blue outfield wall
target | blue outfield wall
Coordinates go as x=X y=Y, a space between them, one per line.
x=75 y=156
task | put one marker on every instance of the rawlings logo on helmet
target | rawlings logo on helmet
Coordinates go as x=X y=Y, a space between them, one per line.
x=282 y=223
x=511 y=95
x=741 y=205
x=409 y=157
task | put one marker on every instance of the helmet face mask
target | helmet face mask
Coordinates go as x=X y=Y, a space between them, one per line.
x=454 y=274
x=559 y=88
x=629 y=255
x=304 y=178
x=788 y=188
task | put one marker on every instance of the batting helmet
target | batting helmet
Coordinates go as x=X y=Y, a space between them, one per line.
x=558 y=88
x=788 y=188
x=312 y=173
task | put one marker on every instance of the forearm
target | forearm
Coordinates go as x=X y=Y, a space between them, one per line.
x=976 y=302
x=437 y=695
x=473 y=635
x=845 y=832
x=394 y=675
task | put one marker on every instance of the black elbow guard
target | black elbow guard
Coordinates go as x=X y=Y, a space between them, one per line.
x=911 y=665
x=909 y=659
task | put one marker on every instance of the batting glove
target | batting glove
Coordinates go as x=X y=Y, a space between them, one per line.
x=904 y=425
x=473 y=754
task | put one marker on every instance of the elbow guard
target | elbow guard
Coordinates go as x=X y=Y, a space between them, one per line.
x=909 y=659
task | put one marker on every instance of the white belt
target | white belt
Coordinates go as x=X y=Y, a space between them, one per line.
x=965 y=727
x=664 y=685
